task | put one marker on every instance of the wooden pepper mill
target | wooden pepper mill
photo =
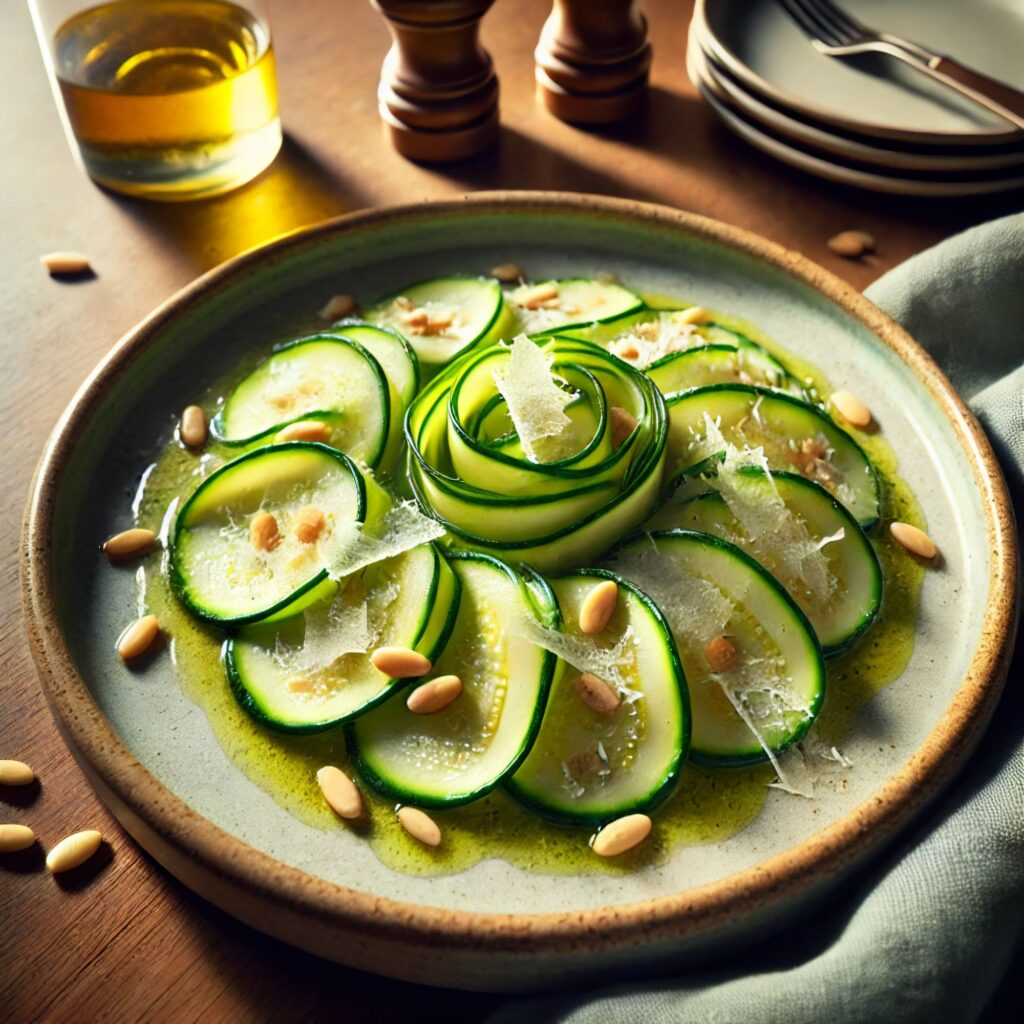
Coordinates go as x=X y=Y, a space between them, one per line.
x=438 y=92
x=592 y=60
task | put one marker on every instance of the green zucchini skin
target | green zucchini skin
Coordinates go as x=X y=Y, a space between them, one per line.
x=531 y=785
x=395 y=780
x=792 y=628
x=374 y=337
x=303 y=594
x=440 y=608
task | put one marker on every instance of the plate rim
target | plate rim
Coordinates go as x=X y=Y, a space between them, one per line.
x=145 y=805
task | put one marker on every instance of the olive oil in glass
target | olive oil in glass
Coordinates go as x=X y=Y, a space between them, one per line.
x=169 y=99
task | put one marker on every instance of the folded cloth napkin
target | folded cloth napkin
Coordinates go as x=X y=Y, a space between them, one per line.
x=930 y=931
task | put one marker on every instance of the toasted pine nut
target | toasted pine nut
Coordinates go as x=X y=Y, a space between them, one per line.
x=400 y=662
x=598 y=607
x=693 y=315
x=623 y=424
x=193 y=427
x=507 y=273
x=597 y=694
x=300 y=685
x=851 y=244
x=419 y=825
x=15 y=837
x=851 y=408
x=264 y=534
x=722 y=654
x=305 y=430
x=129 y=543
x=139 y=637
x=626 y=349
x=535 y=297
x=621 y=835
x=340 y=792
x=435 y=695
x=65 y=263
x=338 y=306
x=73 y=851
x=309 y=523
x=15 y=773
x=916 y=541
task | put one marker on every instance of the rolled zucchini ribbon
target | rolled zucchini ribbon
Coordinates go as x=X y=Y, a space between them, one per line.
x=468 y=467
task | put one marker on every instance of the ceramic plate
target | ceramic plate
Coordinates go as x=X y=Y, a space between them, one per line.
x=152 y=756
x=765 y=49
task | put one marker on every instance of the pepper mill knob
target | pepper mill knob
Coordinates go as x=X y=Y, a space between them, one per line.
x=438 y=94
x=592 y=60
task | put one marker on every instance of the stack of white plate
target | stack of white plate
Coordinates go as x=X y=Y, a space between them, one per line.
x=877 y=123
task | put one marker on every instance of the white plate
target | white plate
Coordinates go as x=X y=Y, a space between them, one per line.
x=761 y=45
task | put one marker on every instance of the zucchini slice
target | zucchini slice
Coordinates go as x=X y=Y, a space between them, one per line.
x=588 y=768
x=463 y=751
x=312 y=671
x=390 y=349
x=576 y=301
x=751 y=705
x=319 y=377
x=720 y=364
x=215 y=568
x=793 y=434
x=803 y=537
x=445 y=316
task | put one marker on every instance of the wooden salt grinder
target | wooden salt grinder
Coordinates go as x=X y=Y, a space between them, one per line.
x=592 y=60
x=438 y=94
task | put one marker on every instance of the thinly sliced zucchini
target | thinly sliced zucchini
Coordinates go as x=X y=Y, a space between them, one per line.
x=713 y=594
x=446 y=316
x=719 y=364
x=803 y=537
x=391 y=350
x=588 y=768
x=577 y=301
x=463 y=751
x=793 y=434
x=311 y=378
x=215 y=568
x=313 y=671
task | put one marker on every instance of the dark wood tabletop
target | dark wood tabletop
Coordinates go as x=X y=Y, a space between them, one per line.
x=125 y=941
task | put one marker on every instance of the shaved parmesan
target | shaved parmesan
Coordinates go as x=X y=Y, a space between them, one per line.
x=332 y=631
x=647 y=342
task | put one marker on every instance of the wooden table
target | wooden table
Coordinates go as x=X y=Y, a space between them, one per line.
x=128 y=942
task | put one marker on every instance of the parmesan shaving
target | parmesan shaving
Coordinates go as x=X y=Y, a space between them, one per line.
x=332 y=631
x=653 y=339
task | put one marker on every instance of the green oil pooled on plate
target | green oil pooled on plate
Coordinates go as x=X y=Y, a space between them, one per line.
x=707 y=807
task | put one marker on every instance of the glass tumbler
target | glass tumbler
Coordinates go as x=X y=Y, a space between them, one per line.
x=165 y=99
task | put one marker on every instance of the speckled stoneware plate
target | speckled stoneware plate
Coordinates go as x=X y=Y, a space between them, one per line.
x=153 y=757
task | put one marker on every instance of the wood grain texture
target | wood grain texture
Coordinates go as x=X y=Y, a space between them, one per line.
x=120 y=940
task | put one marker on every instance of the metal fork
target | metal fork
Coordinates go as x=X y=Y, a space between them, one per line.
x=837 y=34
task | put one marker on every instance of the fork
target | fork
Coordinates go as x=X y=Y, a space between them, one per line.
x=837 y=34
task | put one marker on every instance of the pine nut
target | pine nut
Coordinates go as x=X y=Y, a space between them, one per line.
x=15 y=773
x=419 y=825
x=338 y=307
x=192 y=430
x=15 y=837
x=852 y=409
x=507 y=273
x=299 y=685
x=305 y=430
x=73 y=851
x=264 y=534
x=129 y=544
x=851 y=244
x=623 y=424
x=695 y=315
x=400 y=662
x=916 y=541
x=59 y=264
x=598 y=607
x=340 y=792
x=626 y=349
x=621 y=835
x=721 y=654
x=535 y=297
x=138 y=638
x=435 y=695
x=597 y=694
x=309 y=523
